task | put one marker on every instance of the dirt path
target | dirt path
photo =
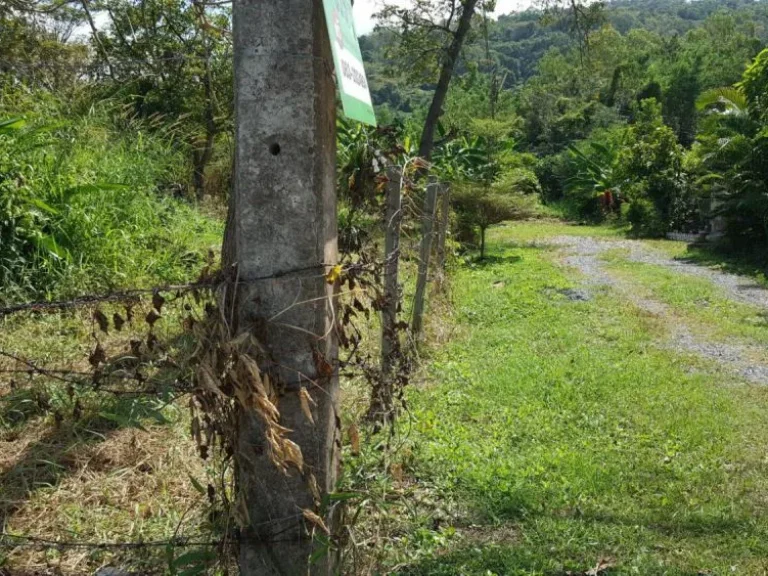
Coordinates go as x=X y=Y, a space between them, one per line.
x=584 y=254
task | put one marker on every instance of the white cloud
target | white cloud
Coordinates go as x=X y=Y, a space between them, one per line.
x=365 y=9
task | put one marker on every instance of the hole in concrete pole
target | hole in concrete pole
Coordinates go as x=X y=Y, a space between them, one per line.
x=274 y=149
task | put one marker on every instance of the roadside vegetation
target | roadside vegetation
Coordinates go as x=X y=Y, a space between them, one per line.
x=600 y=446
x=589 y=398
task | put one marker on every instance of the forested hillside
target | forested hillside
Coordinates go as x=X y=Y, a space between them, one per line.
x=518 y=41
x=640 y=111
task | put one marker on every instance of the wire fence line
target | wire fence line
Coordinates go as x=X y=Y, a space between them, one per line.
x=9 y=540
x=16 y=540
x=105 y=372
x=103 y=378
x=217 y=281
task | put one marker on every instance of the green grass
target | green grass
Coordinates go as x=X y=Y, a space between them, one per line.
x=92 y=203
x=540 y=230
x=93 y=466
x=703 y=305
x=562 y=427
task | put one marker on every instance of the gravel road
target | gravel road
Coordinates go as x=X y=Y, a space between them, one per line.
x=583 y=253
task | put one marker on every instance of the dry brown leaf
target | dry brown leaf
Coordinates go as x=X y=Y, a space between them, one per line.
x=157 y=302
x=251 y=370
x=292 y=454
x=305 y=399
x=152 y=317
x=195 y=429
x=208 y=382
x=276 y=451
x=98 y=356
x=101 y=320
x=354 y=439
x=267 y=409
x=243 y=396
x=279 y=428
x=602 y=565
x=313 y=487
x=315 y=520
x=323 y=367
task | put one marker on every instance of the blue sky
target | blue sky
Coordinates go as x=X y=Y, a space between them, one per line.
x=365 y=9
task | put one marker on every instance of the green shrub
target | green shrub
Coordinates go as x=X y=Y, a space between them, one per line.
x=83 y=208
x=650 y=167
x=478 y=207
x=518 y=181
x=550 y=172
x=645 y=218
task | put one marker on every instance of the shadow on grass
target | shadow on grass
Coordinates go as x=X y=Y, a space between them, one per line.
x=545 y=553
x=743 y=263
x=513 y=560
x=541 y=245
x=492 y=260
x=59 y=449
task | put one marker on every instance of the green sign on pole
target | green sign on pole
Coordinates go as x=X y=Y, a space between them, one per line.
x=348 y=61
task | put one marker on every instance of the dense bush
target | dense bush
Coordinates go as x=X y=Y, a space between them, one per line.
x=550 y=172
x=590 y=172
x=650 y=167
x=87 y=205
x=478 y=207
x=730 y=158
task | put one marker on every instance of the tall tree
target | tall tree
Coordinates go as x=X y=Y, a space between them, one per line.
x=432 y=34
x=176 y=57
x=36 y=49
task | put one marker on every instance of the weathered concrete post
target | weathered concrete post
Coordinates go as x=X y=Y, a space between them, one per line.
x=283 y=240
x=382 y=396
x=427 y=226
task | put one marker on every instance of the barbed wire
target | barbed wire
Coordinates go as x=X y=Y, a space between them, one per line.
x=49 y=543
x=213 y=283
x=351 y=271
x=85 y=300
x=289 y=523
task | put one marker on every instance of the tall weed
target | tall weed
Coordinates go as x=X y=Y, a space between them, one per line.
x=91 y=203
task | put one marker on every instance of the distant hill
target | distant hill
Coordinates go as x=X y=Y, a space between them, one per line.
x=518 y=41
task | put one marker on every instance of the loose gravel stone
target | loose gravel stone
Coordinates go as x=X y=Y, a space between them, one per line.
x=583 y=253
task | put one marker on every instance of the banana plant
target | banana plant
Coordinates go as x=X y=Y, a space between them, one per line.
x=593 y=172
x=467 y=158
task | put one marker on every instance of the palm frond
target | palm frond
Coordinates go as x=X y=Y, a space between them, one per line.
x=731 y=98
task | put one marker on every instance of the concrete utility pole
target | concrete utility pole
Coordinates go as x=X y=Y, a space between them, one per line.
x=283 y=227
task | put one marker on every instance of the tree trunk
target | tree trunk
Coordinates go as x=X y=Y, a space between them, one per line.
x=200 y=160
x=382 y=399
x=444 y=80
x=283 y=240
x=97 y=38
x=428 y=220
x=442 y=234
x=203 y=157
x=482 y=243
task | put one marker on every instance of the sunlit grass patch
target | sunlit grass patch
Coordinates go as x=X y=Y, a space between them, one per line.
x=533 y=230
x=697 y=300
x=567 y=423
